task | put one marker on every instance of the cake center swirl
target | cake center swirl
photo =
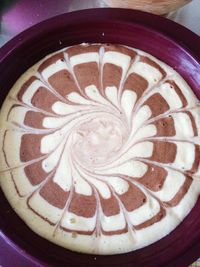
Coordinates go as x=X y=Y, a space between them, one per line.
x=98 y=141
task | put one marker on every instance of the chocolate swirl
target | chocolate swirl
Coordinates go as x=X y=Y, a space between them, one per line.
x=101 y=143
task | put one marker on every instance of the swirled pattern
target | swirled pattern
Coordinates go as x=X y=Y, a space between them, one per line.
x=100 y=148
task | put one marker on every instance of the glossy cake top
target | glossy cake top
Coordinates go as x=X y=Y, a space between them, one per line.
x=100 y=148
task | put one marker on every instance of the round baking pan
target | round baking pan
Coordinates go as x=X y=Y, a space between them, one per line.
x=158 y=36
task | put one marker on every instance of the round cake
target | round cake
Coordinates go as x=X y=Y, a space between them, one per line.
x=100 y=148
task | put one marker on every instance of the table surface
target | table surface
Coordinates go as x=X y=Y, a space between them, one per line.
x=13 y=22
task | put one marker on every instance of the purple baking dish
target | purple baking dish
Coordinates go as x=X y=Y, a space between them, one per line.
x=158 y=36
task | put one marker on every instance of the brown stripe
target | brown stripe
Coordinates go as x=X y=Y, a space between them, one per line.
x=43 y=99
x=35 y=173
x=63 y=82
x=154 y=178
x=3 y=148
x=136 y=83
x=180 y=194
x=87 y=74
x=80 y=49
x=196 y=163
x=157 y=104
x=111 y=75
x=158 y=217
x=178 y=92
x=194 y=126
x=152 y=63
x=115 y=232
x=77 y=232
x=15 y=185
x=120 y=49
x=165 y=127
x=30 y=147
x=54 y=194
x=51 y=60
x=82 y=205
x=109 y=206
x=34 y=119
x=164 y=152
x=25 y=86
x=133 y=198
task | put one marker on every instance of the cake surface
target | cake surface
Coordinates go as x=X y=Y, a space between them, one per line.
x=100 y=148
